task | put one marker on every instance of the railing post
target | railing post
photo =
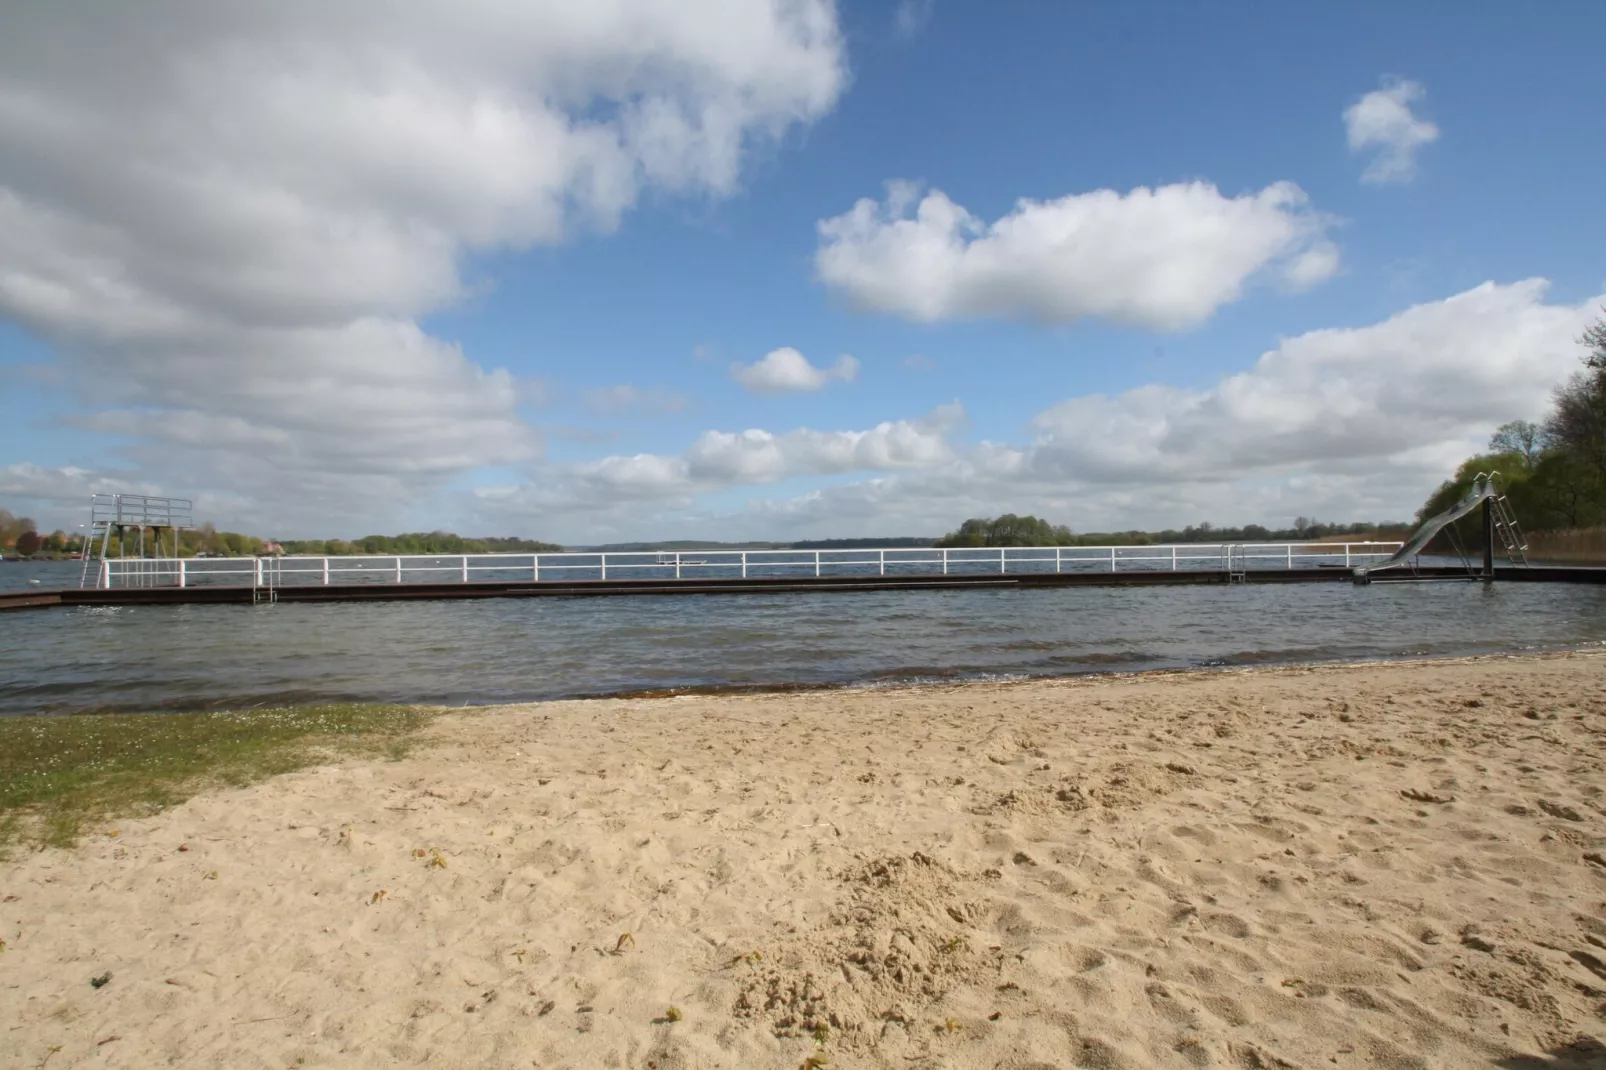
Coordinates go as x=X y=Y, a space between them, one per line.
x=256 y=572
x=1056 y=560
x=1346 y=555
x=604 y=560
x=105 y=574
x=744 y=564
x=1290 y=551
x=181 y=573
x=398 y=568
x=677 y=566
x=1112 y=559
x=1003 y=552
x=465 y=568
x=535 y=568
x=326 y=572
x=816 y=564
x=945 y=560
x=881 y=557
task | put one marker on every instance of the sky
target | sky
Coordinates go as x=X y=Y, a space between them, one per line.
x=667 y=269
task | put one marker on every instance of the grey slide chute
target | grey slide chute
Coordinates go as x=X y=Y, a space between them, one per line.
x=1481 y=490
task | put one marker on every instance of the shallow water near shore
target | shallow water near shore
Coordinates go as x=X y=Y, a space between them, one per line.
x=504 y=650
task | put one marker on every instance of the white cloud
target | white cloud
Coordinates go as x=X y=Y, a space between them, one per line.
x=625 y=398
x=1382 y=120
x=231 y=222
x=1348 y=423
x=785 y=370
x=719 y=460
x=1164 y=258
x=762 y=457
x=1437 y=377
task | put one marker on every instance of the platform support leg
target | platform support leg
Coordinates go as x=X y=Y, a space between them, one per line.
x=1488 y=540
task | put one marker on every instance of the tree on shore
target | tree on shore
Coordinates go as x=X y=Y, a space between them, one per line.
x=12 y=528
x=1012 y=530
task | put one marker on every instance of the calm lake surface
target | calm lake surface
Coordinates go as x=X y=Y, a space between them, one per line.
x=499 y=650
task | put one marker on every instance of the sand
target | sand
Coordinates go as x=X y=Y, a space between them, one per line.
x=1386 y=865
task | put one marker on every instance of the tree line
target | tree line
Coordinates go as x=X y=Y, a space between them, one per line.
x=1012 y=530
x=19 y=535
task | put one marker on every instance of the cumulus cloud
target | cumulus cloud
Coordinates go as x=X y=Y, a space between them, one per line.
x=1432 y=381
x=1382 y=120
x=1344 y=423
x=1164 y=258
x=719 y=460
x=786 y=371
x=230 y=220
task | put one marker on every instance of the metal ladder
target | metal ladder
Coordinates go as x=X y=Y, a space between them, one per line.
x=1237 y=565
x=94 y=552
x=1508 y=530
x=265 y=581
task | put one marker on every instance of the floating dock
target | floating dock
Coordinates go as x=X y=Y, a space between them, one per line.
x=218 y=594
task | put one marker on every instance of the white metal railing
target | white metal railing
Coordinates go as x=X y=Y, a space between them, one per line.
x=744 y=564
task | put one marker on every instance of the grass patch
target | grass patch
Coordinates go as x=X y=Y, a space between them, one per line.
x=58 y=774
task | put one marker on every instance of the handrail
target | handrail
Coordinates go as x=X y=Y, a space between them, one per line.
x=703 y=564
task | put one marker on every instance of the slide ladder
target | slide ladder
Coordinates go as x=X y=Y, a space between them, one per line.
x=1508 y=531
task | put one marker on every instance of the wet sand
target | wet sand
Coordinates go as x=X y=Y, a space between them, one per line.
x=1384 y=865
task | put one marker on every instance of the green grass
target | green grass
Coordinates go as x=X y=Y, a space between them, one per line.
x=60 y=774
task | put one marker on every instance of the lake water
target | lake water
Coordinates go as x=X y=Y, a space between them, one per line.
x=499 y=650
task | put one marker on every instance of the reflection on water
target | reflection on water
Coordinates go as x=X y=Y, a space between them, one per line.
x=150 y=657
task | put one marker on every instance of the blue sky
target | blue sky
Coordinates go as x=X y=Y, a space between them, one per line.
x=595 y=275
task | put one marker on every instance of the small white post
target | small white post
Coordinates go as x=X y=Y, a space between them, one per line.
x=1346 y=555
x=677 y=566
x=1056 y=560
x=744 y=564
x=945 y=560
x=1003 y=551
x=535 y=568
x=398 y=569
x=1112 y=559
x=465 y=568
x=816 y=563
x=1173 y=559
x=881 y=556
x=106 y=574
x=326 y=572
x=604 y=558
x=256 y=572
x=1290 y=549
x=181 y=572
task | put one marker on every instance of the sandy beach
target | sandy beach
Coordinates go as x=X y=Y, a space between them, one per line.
x=1384 y=865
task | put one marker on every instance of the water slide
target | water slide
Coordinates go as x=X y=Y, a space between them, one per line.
x=1481 y=490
